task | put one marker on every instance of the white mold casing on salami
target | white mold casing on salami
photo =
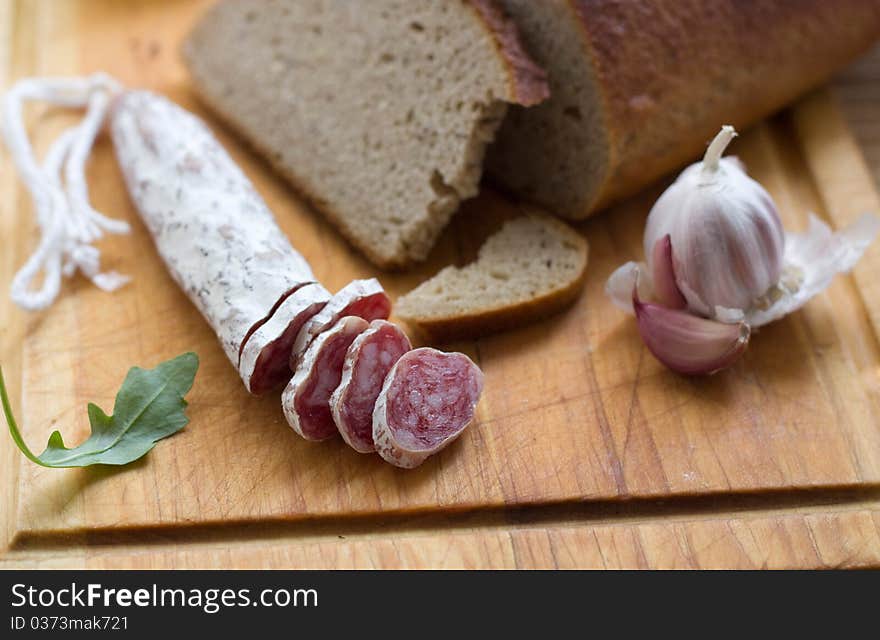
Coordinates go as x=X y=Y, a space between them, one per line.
x=427 y=401
x=217 y=237
x=265 y=359
x=367 y=362
x=363 y=298
x=306 y=399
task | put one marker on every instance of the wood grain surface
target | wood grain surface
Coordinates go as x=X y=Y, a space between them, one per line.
x=586 y=452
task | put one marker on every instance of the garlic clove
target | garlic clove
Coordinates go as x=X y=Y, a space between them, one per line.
x=686 y=343
x=811 y=261
x=665 y=289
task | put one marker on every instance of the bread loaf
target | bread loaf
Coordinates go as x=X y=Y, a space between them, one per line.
x=379 y=112
x=639 y=87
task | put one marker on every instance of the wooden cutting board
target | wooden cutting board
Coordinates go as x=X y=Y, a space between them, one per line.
x=586 y=452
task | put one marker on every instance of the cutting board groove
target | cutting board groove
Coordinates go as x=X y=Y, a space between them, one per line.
x=676 y=510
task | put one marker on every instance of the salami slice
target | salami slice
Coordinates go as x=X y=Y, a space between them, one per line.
x=363 y=298
x=427 y=401
x=367 y=363
x=272 y=311
x=265 y=359
x=215 y=234
x=306 y=399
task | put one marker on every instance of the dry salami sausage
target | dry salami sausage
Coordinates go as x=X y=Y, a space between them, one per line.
x=427 y=401
x=222 y=246
x=367 y=363
x=215 y=234
x=306 y=399
x=363 y=298
x=265 y=359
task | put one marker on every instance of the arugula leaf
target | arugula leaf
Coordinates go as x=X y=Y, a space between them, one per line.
x=149 y=407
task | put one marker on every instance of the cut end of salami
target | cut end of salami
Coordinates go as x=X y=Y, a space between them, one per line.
x=362 y=298
x=373 y=307
x=367 y=363
x=427 y=401
x=265 y=358
x=306 y=399
x=261 y=322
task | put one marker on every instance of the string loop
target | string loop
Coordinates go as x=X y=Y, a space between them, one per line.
x=68 y=224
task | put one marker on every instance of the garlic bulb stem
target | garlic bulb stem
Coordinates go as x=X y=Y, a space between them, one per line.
x=716 y=149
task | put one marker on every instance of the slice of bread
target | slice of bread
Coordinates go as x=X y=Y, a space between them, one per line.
x=379 y=112
x=640 y=87
x=533 y=267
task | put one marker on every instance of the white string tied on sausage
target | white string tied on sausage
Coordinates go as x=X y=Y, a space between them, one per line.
x=68 y=224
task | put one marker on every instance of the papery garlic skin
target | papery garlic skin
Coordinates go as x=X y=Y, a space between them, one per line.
x=727 y=239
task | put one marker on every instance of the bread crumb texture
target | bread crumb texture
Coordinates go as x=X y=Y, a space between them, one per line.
x=379 y=112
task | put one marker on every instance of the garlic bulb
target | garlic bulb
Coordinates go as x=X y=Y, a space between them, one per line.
x=726 y=235
x=719 y=263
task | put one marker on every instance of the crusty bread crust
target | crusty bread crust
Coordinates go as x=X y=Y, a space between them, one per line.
x=527 y=82
x=671 y=72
